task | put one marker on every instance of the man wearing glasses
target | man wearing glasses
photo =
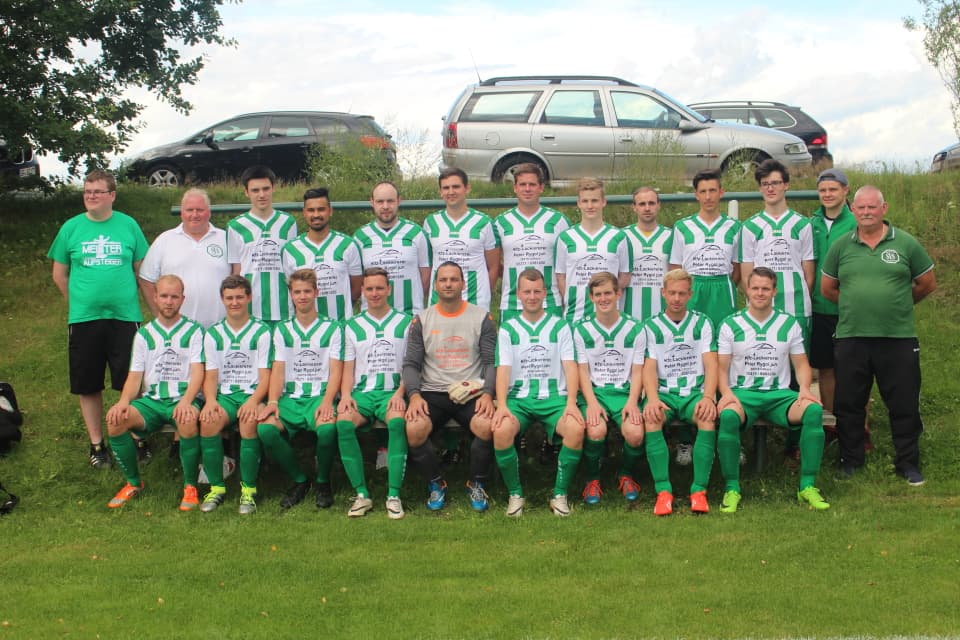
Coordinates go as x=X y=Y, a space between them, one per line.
x=96 y=256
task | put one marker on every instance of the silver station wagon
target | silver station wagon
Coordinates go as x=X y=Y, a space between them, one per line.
x=605 y=127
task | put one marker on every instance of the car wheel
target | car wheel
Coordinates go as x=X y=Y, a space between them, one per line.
x=742 y=164
x=503 y=171
x=164 y=175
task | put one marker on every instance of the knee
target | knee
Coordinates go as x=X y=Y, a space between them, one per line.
x=417 y=432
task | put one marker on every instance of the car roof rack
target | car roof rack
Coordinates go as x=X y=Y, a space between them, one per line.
x=557 y=80
x=741 y=103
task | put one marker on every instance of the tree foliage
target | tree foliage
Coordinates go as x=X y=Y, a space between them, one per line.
x=66 y=67
x=940 y=23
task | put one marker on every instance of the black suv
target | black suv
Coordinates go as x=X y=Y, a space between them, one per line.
x=16 y=165
x=278 y=139
x=775 y=115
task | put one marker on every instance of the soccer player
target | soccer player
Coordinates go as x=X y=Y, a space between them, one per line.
x=536 y=382
x=651 y=243
x=450 y=344
x=399 y=246
x=96 y=256
x=706 y=245
x=197 y=252
x=587 y=248
x=780 y=239
x=254 y=242
x=375 y=343
x=610 y=347
x=528 y=239
x=464 y=235
x=235 y=387
x=304 y=383
x=680 y=380
x=167 y=358
x=334 y=256
x=755 y=348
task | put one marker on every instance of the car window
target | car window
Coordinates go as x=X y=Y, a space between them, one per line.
x=500 y=107
x=574 y=107
x=329 y=126
x=238 y=130
x=643 y=112
x=288 y=127
x=777 y=118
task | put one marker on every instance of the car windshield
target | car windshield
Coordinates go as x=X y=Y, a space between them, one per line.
x=682 y=107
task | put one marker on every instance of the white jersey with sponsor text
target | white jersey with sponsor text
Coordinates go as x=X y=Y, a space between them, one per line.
x=306 y=353
x=782 y=245
x=703 y=249
x=678 y=349
x=529 y=242
x=610 y=352
x=238 y=356
x=760 y=352
x=651 y=259
x=580 y=255
x=401 y=250
x=535 y=354
x=165 y=355
x=377 y=348
x=255 y=245
x=334 y=260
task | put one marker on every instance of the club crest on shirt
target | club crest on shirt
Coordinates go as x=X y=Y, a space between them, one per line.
x=890 y=256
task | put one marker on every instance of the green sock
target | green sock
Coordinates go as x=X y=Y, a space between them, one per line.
x=631 y=458
x=211 y=450
x=728 y=449
x=396 y=455
x=278 y=448
x=703 y=449
x=326 y=449
x=509 y=465
x=190 y=460
x=592 y=452
x=658 y=457
x=811 y=445
x=567 y=463
x=351 y=457
x=125 y=451
x=249 y=461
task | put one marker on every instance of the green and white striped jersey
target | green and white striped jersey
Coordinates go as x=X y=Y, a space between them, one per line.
x=238 y=357
x=781 y=244
x=760 y=354
x=377 y=348
x=651 y=259
x=581 y=255
x=165 y=355
x=535 y=355
x=610 y=352
x=465 y=242
x=334 y=261
x=401 y=250
x=255 y=245
x=706 y=250
x=306 y=353
x=678 y=349
x=529 y=242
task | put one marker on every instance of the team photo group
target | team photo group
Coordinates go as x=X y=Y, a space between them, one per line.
x=270 y=330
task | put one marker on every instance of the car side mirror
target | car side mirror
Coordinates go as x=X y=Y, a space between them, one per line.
x=689 y=125
x=208 y=140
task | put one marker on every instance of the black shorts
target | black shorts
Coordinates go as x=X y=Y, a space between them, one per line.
x=94 y=345
x=443 y=409
x=821 y=341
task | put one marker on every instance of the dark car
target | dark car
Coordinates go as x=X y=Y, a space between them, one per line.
x=947 y=158
x=17 y=165
x=280 y=140
x=775 y=115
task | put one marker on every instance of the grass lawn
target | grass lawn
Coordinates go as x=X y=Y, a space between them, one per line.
x=884 y=561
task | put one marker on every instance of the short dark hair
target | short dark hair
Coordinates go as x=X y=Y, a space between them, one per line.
x=316 y=192
x=706 y=174
x=302 y=275
x=450 y=172
x=532 y=274
x=769 y=166
x=529 y=167
x=447 y=263
x=257 y=172
x=100 y=174
x=763 y=272
x=235 y=281
x=370 y=272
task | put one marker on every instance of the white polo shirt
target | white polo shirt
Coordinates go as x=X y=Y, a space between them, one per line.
x=201 y=264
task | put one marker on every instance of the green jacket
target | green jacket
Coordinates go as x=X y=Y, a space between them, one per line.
x=822 y=239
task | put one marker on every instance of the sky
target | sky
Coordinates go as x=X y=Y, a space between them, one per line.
x=851 y=65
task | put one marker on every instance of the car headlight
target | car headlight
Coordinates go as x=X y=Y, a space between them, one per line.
x=795 y=147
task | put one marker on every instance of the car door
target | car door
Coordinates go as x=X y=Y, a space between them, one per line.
x=284 y=144
x=572 y=134
x=649 y=138
x=228 y=148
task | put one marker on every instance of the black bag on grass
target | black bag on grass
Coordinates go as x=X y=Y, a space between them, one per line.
x=10 y=418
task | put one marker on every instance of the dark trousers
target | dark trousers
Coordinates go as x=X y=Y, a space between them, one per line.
x=895 y=363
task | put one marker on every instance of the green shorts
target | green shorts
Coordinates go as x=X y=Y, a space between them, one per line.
x=157 y=413
x=713 y=296
x=613 y=400
x=231 y=403
x=773 y=406
x=372 y=405
x=297 y=414
x=679 y=407
x=530 y=410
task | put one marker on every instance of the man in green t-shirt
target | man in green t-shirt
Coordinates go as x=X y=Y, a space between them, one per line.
x=96 y=255
x=876 y=275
